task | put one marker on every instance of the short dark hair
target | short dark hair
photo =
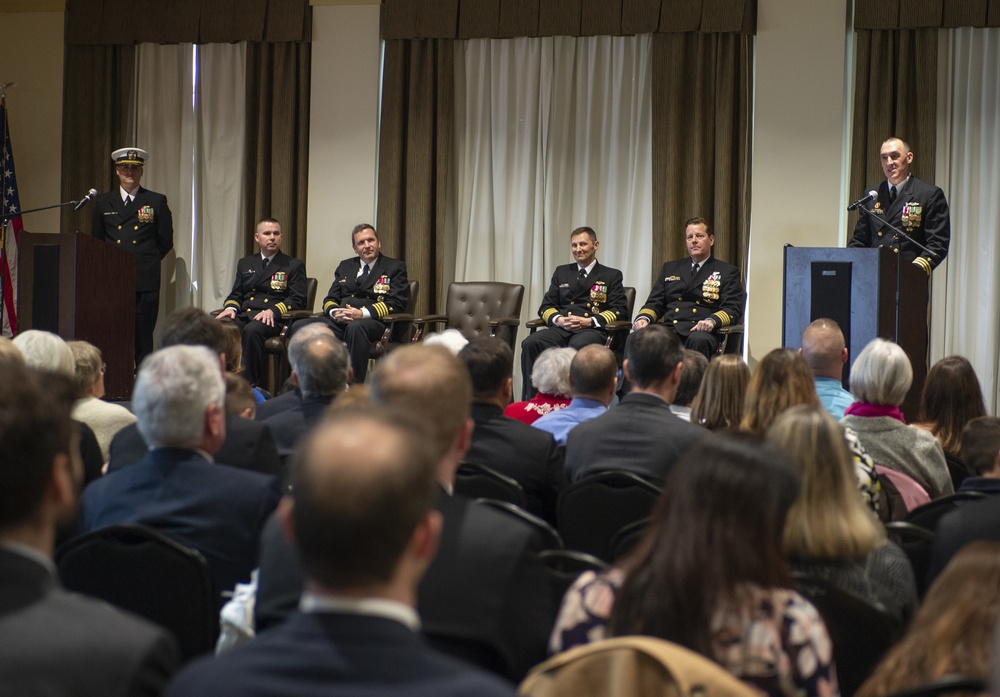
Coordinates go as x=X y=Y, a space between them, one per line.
x=699 y=221
x=266 y=220
x=653 y=354
x=35 y=426
x=321 y=363
x=980 y=444
x=592 y=370
x=363 y=226
x=584 y=230
x=695 y=365
x=189 y=326
x=490 y=361
x=357 y=504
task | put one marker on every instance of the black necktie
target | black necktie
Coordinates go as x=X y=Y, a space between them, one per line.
x=266 y=262
x=892 y=194
x=364 y=272
x=128 y=200
x=694 y=269
x=583 y=274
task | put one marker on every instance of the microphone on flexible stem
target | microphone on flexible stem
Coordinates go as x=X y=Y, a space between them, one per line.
x=83 y=202
x=870 y=196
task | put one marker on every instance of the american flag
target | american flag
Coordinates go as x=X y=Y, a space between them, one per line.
x=11 y=231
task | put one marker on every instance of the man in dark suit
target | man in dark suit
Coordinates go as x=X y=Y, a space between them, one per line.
x=485 y=597
x=363 y=521
x=905 y=202
x=179 y=400
x=697 y=295
x=525 y=454
x=321 y=368
x=138 y=221
x=248 y=444
x=53 y=642
x=582 y=298
x=266 y=285
x=365 y=289
x=641 y=434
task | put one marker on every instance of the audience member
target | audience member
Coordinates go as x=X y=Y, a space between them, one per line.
x=451 y=339
x=719 y=402
x=953 y=631
x=580 y=301
x=951 y=398
x=526 y=455
x=830 y=534
x=880 y=378
x=292 y=396
x=53 y=642
x=248 y=444
x=550 y=377
x=321 y=368
x=641 y=434
x=239 y=397
x=104 y=418
x=267 y=284
x=234 y=354
x=178 y=398
x=593 y=381
x=9 y=353
x=980 y=451
x=710 y=575
x=825 y=351
x=485 y=596
x=47 y=351
x=363 y=523
x=695 y=365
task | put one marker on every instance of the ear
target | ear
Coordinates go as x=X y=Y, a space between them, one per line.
x=350 y=376
x=627 y=370
x=675 y=375
x=284 y=513
x=843 y=355
x=424 y=541
x=295 y=378
x=61 y=489
x=508 y=389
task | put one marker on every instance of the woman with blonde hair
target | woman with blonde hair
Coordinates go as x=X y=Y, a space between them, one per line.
x=782 y=379
x=829 y=534
x=719 y=402
x=104 y=418
x=953 y=632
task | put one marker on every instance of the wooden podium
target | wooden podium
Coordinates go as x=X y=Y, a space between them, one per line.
x=81 y=288
x=870 y=292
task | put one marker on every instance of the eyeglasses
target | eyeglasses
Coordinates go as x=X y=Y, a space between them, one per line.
x=104 y=367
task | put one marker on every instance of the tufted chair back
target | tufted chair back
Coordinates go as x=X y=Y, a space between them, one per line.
x=472 y=305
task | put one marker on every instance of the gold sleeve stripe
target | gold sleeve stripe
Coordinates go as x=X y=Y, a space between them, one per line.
x=281 y=307
x=924 y=264
x=547 y=315
x=609 y=315
x=380 y=309
x=648 y=313
x=329 y=305
x=232 y=303
x=723 y=317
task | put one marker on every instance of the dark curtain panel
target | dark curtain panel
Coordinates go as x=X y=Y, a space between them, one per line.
x=97 y=90
x=414 y=153
x=277 y=152
x=895 y=94
x=702 y=105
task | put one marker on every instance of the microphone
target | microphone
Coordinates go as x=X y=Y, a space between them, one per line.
x=870 y=196
x=83 y=202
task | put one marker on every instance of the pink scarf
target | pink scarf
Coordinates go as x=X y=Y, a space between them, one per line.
x=866 y=409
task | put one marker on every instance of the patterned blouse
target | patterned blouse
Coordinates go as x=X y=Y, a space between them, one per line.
x=774 y=639
x=538 y=406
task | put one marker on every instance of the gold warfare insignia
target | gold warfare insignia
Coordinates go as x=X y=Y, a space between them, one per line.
x=877 y=210
x=668 y=279
x=381 y=287
x=146 y=214
x=599 y=293
x=710 y=288
x=279 y=281
x=912 y=215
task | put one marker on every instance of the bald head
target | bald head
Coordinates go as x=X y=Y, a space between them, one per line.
x=823 y=348
x=593 y=373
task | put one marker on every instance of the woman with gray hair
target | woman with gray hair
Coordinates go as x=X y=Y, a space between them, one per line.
x=550 y=376
x=880 y=378
x=104 y=418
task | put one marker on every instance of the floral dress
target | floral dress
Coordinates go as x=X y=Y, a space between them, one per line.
x=771 y=638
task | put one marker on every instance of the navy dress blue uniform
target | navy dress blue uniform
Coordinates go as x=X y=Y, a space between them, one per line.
x=280 y=287
x=680 y=300
x=920 y=209
x=383 y=291
x=600 y=295
x=144 y=228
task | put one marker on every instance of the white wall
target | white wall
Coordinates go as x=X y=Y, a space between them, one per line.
x=799 y=170
x=343 y=133
x=31 y=55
